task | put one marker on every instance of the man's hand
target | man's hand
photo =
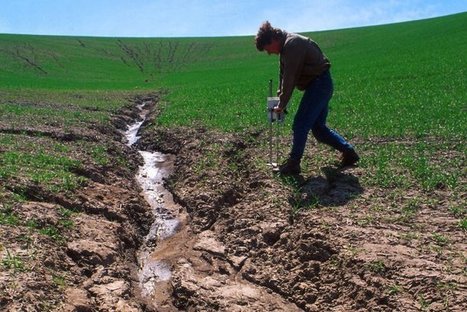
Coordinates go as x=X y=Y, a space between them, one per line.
x=278 y=109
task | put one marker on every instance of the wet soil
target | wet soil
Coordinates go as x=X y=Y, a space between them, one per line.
x=321 y=241
x=251 y=241
x=74 y=250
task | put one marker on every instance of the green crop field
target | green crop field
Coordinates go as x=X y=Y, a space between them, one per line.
x=400 y=77
x=403 y=81
x=400 y=97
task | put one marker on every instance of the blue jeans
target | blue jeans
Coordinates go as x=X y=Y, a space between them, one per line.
x=311 y=115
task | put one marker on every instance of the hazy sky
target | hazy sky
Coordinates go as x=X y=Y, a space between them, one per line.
x=180 y=18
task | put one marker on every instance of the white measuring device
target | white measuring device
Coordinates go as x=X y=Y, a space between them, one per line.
x=278 y=119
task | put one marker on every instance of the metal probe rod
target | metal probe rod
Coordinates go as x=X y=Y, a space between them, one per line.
x=270 y=124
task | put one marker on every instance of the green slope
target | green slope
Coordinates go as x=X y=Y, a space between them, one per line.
x=391 y=80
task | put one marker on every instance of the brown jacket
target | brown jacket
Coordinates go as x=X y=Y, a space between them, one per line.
x=301 y=61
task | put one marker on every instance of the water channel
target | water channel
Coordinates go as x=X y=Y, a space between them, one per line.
x=167 y=220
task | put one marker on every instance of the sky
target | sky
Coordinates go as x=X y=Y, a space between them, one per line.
x=203 y=18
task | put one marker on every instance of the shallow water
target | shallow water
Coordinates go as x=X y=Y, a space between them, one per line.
x=151 y=176
x=131 y=133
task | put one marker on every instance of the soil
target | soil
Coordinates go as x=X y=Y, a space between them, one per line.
x=250 y=240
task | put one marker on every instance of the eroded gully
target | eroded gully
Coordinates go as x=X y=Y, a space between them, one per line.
x=204 y=275
x=163 y=244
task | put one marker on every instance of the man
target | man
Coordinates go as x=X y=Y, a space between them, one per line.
x=304 y=66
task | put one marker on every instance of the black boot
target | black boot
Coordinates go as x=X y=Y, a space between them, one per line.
x=349 y=158
x=290 y=167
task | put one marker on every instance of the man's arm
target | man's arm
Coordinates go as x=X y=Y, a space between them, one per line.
x=292 y=63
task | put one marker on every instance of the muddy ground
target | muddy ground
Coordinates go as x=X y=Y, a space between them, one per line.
x=252 y=241
x=321 y=242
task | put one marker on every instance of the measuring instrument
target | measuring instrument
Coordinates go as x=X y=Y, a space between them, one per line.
x=278 y=119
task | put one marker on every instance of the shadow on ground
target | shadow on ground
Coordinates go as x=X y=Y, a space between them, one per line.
x=334 y=187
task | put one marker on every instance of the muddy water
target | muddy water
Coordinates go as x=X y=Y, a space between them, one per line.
x=154 y=271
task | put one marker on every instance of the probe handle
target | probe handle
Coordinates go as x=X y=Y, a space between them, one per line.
x=270 y=87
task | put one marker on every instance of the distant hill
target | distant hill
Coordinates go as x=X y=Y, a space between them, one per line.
x=56 y=62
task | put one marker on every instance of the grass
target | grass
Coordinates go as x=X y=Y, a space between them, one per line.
x=31 y=119
x=11 y=261
x=463 y=224
x=59 y=281
x=377 y=266
x=375 y=74
x=41 y=168
x=440 y=239
x=8 y=217
x=400 y=97
x=412 y=163
x=399 y=92
x=222 y=82
x=388 y=74
x=394 y=289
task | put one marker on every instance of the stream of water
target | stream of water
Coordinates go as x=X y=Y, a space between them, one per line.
x=150 y=176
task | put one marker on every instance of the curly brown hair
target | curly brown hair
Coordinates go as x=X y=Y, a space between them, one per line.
x=266 y=34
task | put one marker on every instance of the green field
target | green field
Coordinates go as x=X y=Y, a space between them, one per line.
x=400 y=77
x=400 y=98
x=400 y=82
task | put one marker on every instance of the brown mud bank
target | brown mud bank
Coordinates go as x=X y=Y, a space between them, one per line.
x=75 y=250
x=320 y=242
